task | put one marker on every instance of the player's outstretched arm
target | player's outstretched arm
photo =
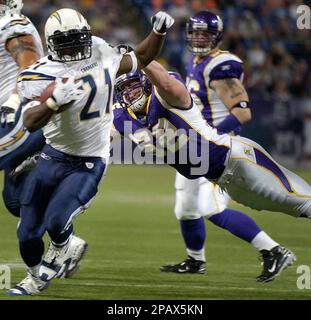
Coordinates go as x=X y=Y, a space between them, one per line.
x=169 y=88
x=24 y=51
x=233 y=94
x=150 y=47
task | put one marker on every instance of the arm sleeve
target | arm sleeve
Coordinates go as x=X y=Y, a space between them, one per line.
x=108 y=53
x=30 y=85
x=227 y=69
x=118 y=120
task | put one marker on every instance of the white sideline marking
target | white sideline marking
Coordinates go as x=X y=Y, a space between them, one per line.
x=14 y=265
x=182 y=287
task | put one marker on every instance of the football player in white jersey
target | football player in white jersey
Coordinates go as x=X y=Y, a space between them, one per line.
x=20 y=47
x=214 y=79
x=75 y=114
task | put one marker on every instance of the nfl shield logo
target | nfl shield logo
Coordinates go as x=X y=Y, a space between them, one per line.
x=89 y=165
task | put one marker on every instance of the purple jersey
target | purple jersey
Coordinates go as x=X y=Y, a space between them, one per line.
x=190 y=144
x=200 y=71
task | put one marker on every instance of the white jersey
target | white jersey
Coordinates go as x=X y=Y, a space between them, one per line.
x=10 y=27
x=84 y=128
x=201 y=71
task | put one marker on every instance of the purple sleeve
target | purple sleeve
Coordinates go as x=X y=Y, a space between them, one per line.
x=119 y=118
x=227 y=69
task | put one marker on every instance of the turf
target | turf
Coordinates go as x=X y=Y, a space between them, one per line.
x=132 y=231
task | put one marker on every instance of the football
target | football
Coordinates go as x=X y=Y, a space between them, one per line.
x=47 y=93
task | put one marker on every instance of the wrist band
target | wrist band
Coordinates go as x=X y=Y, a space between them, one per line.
x=158 y=33
x=134 y=61
x=241 y=104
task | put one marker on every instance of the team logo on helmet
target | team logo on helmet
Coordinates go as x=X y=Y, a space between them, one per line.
x=68 y=36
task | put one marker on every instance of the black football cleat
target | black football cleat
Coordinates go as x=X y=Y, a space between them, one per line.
x=189 y=265
x=274 y=262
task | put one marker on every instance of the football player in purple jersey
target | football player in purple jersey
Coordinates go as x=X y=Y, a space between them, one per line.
x=238 y=165
x=214 y=79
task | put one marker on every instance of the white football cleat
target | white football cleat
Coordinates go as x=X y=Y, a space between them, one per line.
x=71 y=266
x=63 y=262
x=30 y=285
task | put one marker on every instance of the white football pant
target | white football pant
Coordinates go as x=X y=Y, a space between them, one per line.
x=197 y=198
x=254 y=179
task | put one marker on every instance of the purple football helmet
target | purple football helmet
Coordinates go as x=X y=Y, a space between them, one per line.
x=204 y=32
x=132 y=90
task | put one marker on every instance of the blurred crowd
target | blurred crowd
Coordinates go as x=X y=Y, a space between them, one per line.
x=263 y=33
x=105 y=16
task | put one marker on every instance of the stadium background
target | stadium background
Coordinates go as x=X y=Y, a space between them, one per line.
x=130 y=227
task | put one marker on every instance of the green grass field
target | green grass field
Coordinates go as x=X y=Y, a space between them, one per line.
x=132 y=231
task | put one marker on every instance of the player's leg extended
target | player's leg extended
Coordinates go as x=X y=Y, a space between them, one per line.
x=244 y=227
x=254 y=179
x=73 y=196
x=192 y=226
x=200 y=198
x=236 y=222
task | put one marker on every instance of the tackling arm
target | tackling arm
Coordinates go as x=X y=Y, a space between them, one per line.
x=170 y=89
x=150 y=47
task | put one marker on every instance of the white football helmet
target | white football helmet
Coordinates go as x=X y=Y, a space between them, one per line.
x=68 y=36
x=10 y=7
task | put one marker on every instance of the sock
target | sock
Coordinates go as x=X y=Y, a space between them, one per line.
x=237 y=223
x=263 y=242
x=60 y=239
x=32 y=251
x=198 y=255
x=34 y=270
x=193 y=232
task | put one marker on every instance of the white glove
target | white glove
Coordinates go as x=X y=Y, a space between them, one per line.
x=9 y=108
x=64 y=93
x=161 y=22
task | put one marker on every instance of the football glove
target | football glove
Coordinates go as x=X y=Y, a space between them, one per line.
x=65 y=92
x=8 y=110
x=161 y=22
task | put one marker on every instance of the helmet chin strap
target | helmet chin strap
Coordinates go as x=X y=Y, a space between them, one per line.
x=139 y=105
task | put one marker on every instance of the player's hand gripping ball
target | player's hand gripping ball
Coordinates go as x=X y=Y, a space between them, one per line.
x=60 y=94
